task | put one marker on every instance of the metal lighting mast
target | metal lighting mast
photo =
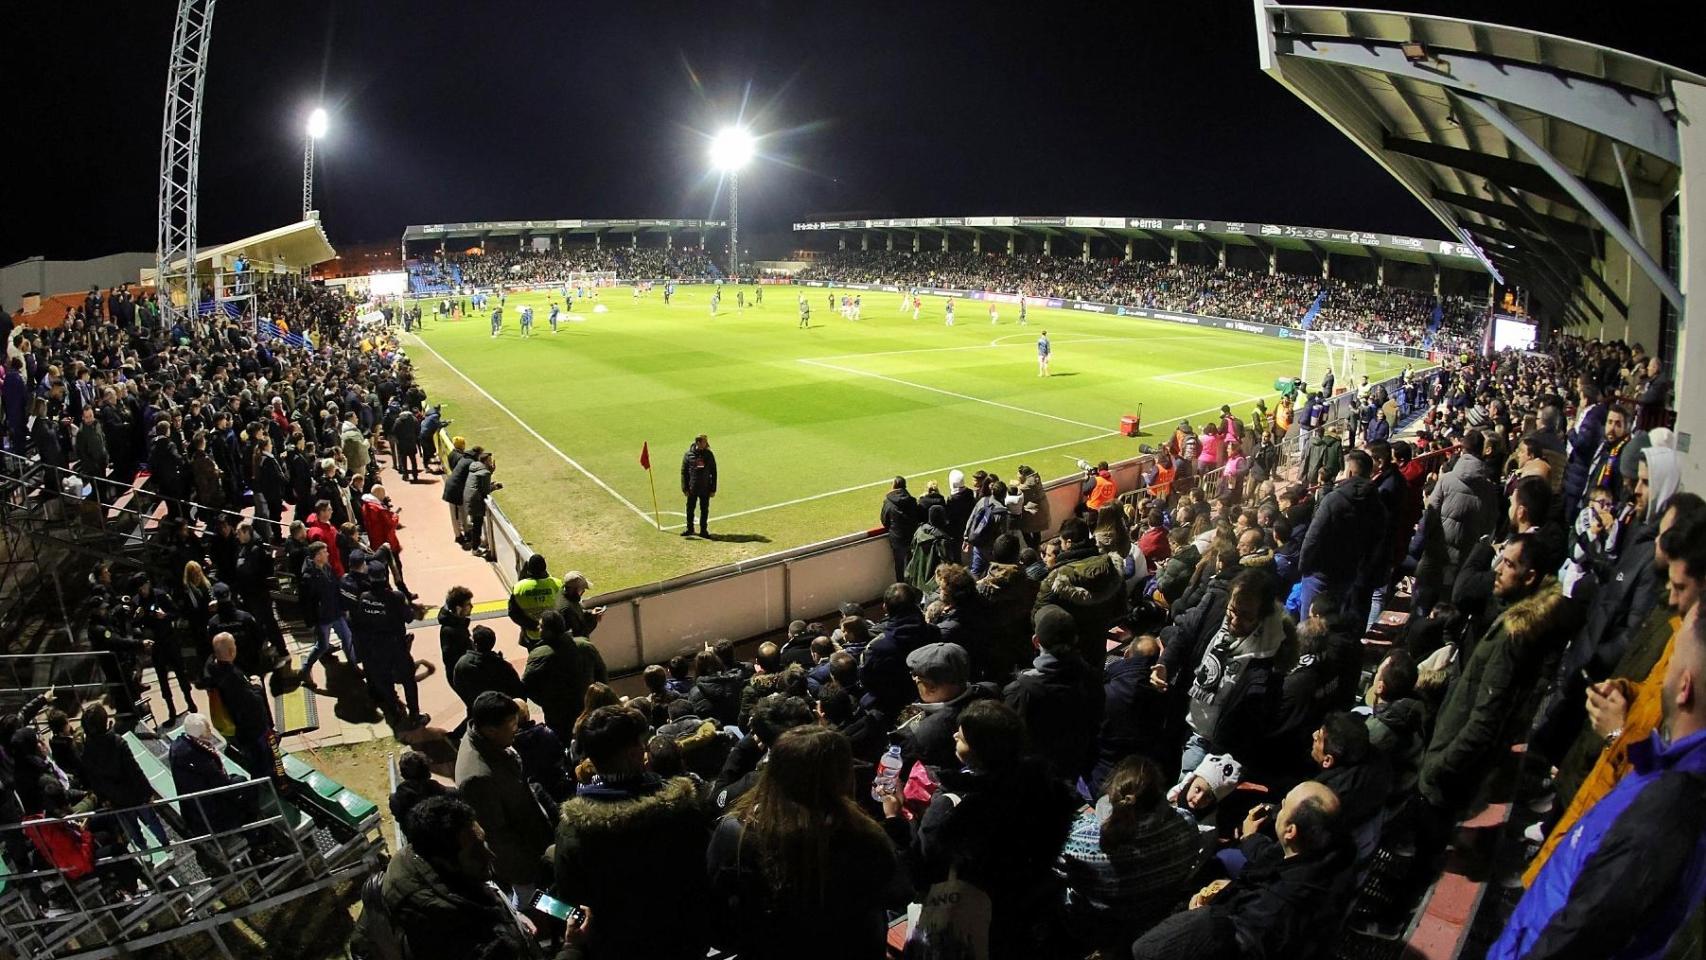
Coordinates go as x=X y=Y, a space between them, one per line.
x=317 y=122
x=180 y=159
x=732 y=149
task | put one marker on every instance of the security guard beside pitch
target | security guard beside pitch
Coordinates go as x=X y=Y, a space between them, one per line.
x=534 y=594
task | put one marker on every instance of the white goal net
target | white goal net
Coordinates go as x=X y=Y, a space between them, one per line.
x=1343 y=354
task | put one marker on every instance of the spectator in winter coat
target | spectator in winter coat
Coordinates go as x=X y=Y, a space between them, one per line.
x=380 y=523
x=1584 y=439
x=716 y=690
x=619 y=835
x=960 y=502
x=1088 y=584
x=438 y=891
x=415 y=783
x=1059 y=698
x=558 y=671
x=1231 y=686
x=1134 y=712
x=459 y=466
x=405 y=436
x=482 y=668
x=1479 y=715
x=942 y=674
x=883 y=673
x=1343 y=536
x=112 y=774
x=998 y=823
x=488 y=775
x=1033 y=505
x=479 y=487
x=899 y=517
x=1008 y=599
x=453 y=623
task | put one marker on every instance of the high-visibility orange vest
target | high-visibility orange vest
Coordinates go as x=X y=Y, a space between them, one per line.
x=1101 y=494
x=1163 y=485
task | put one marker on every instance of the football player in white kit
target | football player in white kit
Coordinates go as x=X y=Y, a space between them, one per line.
x=950 y=311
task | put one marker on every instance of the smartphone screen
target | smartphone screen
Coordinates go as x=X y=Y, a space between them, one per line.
x=545 y=903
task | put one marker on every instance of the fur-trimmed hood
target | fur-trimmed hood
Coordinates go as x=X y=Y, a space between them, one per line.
x=640 y=805
x=1543 y=614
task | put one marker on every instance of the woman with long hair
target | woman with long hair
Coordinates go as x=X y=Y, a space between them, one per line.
x=597 y=695
x=798 y=861
x=1126 y=862
x=195 y=602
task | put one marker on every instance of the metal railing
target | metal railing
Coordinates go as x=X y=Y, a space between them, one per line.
x=192 y=883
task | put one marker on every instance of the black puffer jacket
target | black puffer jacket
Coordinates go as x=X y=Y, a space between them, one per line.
x=1346 y=533
x=442 y=917
x=716 y=696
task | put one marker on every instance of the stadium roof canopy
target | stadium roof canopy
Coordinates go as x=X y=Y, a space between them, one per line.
x=291 y=248
x=519 y=228
x=1555 y=158
x=1265 y=237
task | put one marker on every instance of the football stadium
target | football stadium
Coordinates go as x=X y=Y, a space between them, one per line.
x=857 y=580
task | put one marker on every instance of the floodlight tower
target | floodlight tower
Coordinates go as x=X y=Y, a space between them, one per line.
x=317 y=122
x=180 y=158
x=731 y=149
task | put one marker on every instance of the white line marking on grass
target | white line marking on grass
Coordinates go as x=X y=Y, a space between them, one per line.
x=950 y=393
x=607 y=488
x=918 y=473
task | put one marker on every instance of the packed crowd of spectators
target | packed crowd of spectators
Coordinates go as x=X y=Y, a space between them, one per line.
x=554 y=266
x=1150 y=734
x=1142 y=729
x=252 y=464
x=1388 y=314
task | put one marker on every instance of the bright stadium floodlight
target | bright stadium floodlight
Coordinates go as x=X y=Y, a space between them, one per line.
x=732 y=149
x=317 y=123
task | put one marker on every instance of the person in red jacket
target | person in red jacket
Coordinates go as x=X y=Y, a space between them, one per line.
x=380 y=522
x=320 y=528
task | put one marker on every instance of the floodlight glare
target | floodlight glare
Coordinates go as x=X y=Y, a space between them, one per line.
x=731 y=149
x=317 y=123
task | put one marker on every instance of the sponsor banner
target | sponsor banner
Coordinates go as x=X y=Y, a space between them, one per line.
x=890 y=288
x=989 y=221
x=1091 y=307
x=1039 y=221
x=1145 y=223
x=1112 y=223
x=952 y=221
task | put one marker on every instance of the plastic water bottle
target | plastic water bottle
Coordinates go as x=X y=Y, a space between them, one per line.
x=888 y=773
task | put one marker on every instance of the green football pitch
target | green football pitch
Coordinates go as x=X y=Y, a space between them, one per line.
x=809 y=426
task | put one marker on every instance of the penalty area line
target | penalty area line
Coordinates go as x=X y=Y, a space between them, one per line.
x=607 y=488
x=949 y=393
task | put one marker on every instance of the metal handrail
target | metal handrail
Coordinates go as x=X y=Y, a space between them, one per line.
x=192 y=507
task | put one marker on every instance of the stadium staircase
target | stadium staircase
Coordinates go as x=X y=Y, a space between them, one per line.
x=302 y=834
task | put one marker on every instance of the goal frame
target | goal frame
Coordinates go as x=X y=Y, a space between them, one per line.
x=1341 y=351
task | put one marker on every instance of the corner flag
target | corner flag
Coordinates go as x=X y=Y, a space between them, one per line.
x=646 y=465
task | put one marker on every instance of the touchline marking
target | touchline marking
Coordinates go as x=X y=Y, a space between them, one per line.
x=919 y=473
x=997 y=342
x=950 y=393
x=607 y=488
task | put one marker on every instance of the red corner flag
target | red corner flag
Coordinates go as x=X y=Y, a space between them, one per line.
x=646 y=465
x=645 y=455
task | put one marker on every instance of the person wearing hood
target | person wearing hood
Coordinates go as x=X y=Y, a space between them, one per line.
x=960 y=502
x=899 y=518
x=1339 y=544
x=930 y=549
x=622 y=832
x=1059 y=697
x=1231 y=688
x=1088 y=584
x=438 y=890
x=1033 y=505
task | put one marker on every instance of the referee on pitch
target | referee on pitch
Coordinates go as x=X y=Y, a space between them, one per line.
x=698 y=482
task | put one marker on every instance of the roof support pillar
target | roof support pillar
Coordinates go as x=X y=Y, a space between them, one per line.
x=841 y=242
x=1173 y=252
x=1689 y=366
x=1130 y=248
x=977 y=243
x=888 y=242
x=1012 y=244
x=1085 y=252
x=1048 y=245
x=864 y=241
x=1578 y=191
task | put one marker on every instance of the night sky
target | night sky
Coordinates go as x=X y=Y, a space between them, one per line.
x=531 y=109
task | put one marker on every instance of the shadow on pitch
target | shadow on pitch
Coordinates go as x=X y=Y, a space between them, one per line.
x=1057 y=376
x=735 y=537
